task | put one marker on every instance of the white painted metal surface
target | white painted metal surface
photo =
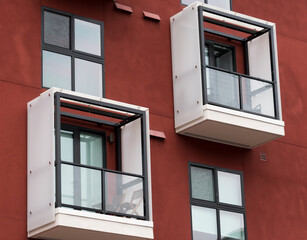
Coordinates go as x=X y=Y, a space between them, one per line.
x=41 y=161
x=259 y=57
x=131 y=142
x=187 y=85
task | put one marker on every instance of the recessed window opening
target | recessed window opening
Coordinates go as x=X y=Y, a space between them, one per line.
x=93 y=171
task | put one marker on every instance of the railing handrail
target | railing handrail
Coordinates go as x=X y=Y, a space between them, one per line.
x=240 y=74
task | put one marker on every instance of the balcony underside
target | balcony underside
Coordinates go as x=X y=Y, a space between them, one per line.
x=79 y=225
x=232 y=127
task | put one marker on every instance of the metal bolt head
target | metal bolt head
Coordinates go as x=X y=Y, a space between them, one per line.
x=177 y=111
x=197 y=102
x=30 y=212
x=195 y=66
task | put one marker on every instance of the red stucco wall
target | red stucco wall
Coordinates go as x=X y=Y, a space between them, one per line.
x=138 y=71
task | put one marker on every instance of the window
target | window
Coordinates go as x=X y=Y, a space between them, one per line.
x=82 y=158
x=222 y=87
x=217 y=203
x=227 y=4
x=72 y=53
x=220 y=56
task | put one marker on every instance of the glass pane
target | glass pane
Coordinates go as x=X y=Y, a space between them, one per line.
x=67 y=146
x=222 y=88
x=207 y=54
x=223 y=58
x=81 y=186
x=232 y=225
x=204 y=224
x=220 y=3
x=258 y=96
x=91 y=149
x=124 y=194
x=202 y=183
x=88 y=77
x=56 y=29
x=56 y=70
x=229 y=185
x=87 y=37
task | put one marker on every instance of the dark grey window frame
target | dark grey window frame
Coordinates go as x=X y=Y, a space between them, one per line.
x=137 y=114
x=216 y=204
x=244 y=41
x=72 y=52
x=211 y=45
x=77 y=155
x=206 y=1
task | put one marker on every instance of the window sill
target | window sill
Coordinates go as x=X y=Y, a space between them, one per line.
x=77 y=225
x=232 y=127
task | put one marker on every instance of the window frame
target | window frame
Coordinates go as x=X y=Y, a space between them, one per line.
x=211 y=45
x=216 y=204
x=206 y=2
x=71 y=51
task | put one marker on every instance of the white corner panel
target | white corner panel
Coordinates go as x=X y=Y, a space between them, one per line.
x=186 y=62
x=41 y=177
x=131 y=142
x=259 y=57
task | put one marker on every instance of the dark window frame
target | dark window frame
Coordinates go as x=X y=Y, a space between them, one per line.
x=216 y=204
x=211 y=45
x=206 y=1
x=71 y=51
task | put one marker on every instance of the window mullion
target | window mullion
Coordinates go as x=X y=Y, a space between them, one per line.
x=77 y=170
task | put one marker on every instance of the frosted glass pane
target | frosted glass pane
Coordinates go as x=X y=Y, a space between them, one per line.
x=67 y=146
x=56 y=29
x=81 y=186
x=229 y=185
x=56 y=70
x=124 y=194
x=258 y=97
x=88 y=77
x=222 y=88
x=91 y=149
x=220 y=3
x=232 y=225
x=204 y=224
x=87 y=37
x=202 y=183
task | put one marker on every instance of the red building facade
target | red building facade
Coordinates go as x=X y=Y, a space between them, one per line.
x=121 y=88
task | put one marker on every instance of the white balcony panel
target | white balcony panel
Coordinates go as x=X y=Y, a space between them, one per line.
x=41 y=160
x=78 y=225
x=259 y=57
x=186 y=65
x=232 y=127
x=132 y=147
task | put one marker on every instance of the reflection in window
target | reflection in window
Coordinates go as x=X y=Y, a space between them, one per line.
x=88 y=77
x=87 y=37
x=204 y=223
x=56 y=70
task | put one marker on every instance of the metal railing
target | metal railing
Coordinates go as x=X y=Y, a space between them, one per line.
x=240 y=92
x=99 y=190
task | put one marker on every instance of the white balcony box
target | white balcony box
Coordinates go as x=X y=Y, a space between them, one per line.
x=225 y=77
x=88 y=168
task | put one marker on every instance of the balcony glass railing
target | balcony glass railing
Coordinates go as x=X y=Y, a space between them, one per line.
x=240 y=92
x=100 y=190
